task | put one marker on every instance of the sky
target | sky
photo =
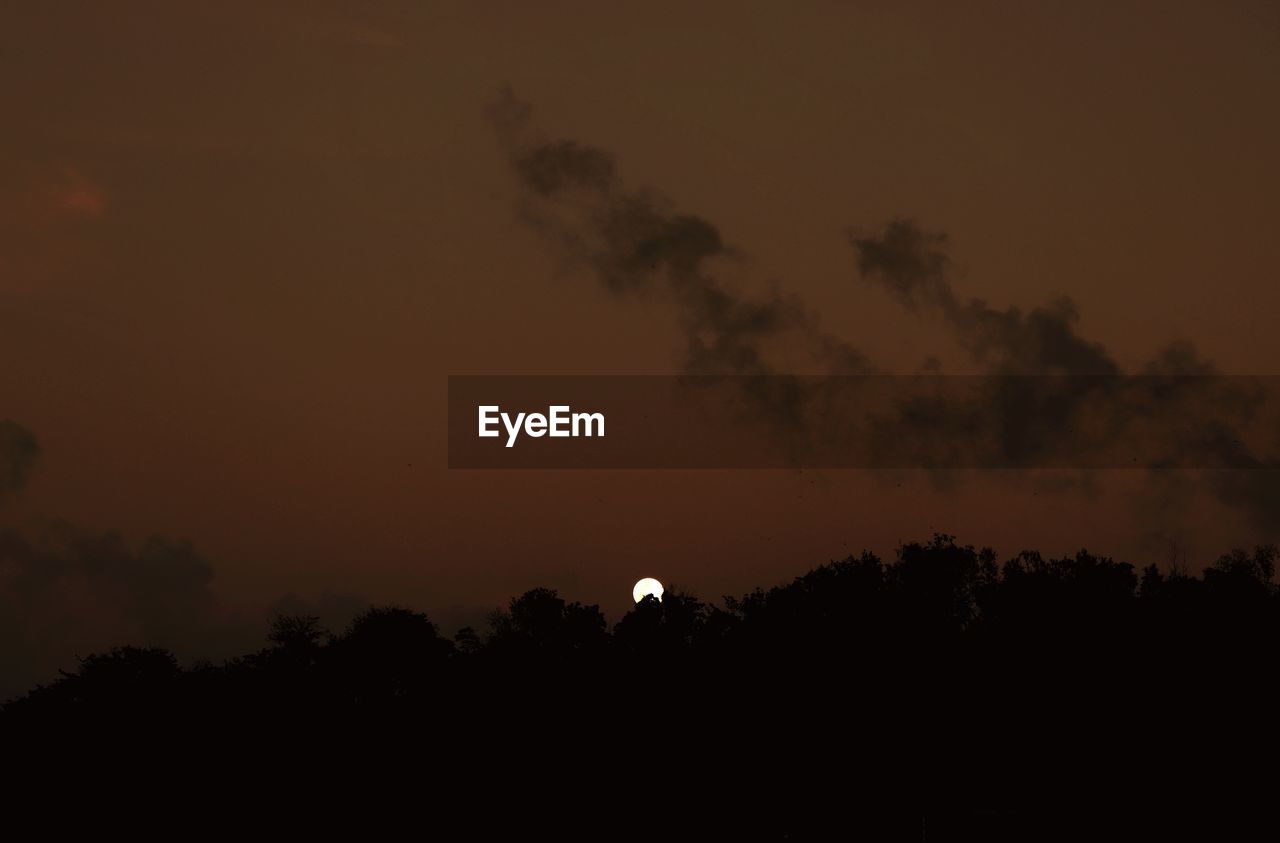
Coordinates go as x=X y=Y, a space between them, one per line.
x=243 y=245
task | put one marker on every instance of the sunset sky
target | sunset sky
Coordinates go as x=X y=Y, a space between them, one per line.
x=242 y=246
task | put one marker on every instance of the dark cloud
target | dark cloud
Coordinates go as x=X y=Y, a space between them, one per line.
x=637 y=243
x=915 y=267
x=66 y=591
x=913 y=264
x=1057 y=397
x=18 y=451
x=1049 y=397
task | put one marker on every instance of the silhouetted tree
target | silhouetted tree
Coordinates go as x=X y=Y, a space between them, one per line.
x=663 y=628
x=467 y=641
x=387 y=653
x=540 y=624
x=297 y=634
x=124 y=681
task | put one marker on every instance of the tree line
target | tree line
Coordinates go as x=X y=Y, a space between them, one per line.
x=980 y=692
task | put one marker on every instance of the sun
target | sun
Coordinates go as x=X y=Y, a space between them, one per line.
x=645 y=587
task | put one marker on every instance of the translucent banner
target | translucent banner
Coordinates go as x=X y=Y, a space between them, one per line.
x=865 y=421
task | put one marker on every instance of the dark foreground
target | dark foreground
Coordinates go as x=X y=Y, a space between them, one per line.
x=943 y=696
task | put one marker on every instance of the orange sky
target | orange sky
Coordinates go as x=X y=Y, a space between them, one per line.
x=241 y=248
